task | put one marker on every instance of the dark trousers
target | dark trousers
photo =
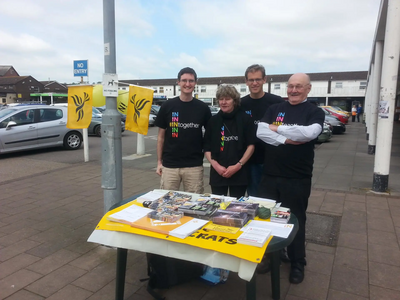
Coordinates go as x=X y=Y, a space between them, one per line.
x=255 y=174
x=353 y=118
x=358 y=117
x=294 y=194
x=236 y=191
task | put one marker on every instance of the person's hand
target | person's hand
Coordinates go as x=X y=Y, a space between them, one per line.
x=231 y=170
x=290 y=142
x=159 y=169
x=220 y=169
x=273 y=127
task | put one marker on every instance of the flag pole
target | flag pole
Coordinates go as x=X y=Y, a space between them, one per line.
x=111 y=124
x=85 y=139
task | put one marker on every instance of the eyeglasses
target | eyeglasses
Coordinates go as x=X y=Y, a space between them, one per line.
x=187 y=80
x=258 y=80
x=297 y=87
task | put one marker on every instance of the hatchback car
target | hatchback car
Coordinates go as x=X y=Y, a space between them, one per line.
x=337 y=126
x=325 y=135
x=36 y=126
x=341 y=116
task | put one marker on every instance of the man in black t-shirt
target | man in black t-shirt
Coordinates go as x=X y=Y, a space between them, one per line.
x=289 y=130
x=180 y=137
x=255 y=104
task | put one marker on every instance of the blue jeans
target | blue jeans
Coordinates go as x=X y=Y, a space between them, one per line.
x=255 y=172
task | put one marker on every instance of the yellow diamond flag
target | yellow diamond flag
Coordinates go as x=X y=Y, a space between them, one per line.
x=139 y=107
x=80 y=99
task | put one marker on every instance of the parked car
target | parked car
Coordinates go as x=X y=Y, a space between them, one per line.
x=36 y=126
x=341 y=116
x=342 y=110
x=214 y=110
x=337 y=126
x=325 y=135
x=95 y=125
x=152 y=119
x=101 y=109
x=155 y=109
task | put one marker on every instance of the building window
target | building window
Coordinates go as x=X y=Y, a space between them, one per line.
x=277 y=86
x=243 y=88
x=161 y=89
x=196 y=89
x=363 y=85
x=203 y=89
x=339 y=85
x=155 y=89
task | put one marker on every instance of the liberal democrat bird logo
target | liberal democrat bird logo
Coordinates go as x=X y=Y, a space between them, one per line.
x=79 y=103
x=138 y=106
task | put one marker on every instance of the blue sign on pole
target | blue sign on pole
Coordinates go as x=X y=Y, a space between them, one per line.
x=81 y=68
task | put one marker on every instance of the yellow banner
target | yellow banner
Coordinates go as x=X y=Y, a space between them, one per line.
x=207 y=239
x=139 y=107
x=79 y=106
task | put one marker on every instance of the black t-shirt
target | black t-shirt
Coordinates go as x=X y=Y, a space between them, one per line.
x=256 y=108
x=291 y=161
x=183 y=122
x=229 y=151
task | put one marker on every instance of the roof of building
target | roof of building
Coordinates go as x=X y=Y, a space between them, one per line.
x=46 y=83
x=12 y=79
x=5 y=69
x=325 y=76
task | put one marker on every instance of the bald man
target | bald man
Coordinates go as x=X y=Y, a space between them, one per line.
x=290 y=130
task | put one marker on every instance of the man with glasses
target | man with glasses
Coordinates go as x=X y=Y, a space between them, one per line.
x=255 y=104
x=290 y=130
x=180 y=137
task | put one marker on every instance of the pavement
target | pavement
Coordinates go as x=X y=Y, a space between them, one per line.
x=48 y=212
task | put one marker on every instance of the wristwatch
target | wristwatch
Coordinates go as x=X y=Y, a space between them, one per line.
x=239 y=162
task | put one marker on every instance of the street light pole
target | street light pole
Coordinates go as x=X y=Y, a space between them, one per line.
x=111 y=170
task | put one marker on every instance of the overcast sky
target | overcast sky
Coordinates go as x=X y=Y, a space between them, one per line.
x=156 y=38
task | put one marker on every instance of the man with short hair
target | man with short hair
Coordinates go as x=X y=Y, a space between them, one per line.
x=290 y=130
x=180 y=137
x=255 y=104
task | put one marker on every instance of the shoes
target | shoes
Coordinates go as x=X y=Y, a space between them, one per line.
x=296 y=275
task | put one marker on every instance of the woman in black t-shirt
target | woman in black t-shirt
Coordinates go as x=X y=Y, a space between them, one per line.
x=228 y=144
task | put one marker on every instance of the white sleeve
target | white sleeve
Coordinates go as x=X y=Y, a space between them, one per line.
x=268 y=136
x=300 y=133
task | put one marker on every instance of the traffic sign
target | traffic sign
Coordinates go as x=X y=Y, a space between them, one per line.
x=81 y=68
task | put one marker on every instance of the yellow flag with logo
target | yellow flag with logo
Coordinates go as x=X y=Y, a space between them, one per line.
x=139 y=107
x=80 y=99
x=122 y=101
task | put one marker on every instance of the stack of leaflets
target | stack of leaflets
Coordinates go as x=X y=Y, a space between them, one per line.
x=230 y=218
x=280 y=215
x=254 y=236
x=250 y=208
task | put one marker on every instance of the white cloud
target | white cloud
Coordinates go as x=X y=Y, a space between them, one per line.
x=154 y=39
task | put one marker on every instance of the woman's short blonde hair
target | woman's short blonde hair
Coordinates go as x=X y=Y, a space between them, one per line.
x=228 y=90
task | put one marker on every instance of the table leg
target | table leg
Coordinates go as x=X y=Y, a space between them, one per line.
x=121 y=271
x=251 y=288
x=275 y=275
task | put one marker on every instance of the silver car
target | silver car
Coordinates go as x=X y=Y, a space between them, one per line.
x=97 y=119
x=36 y=126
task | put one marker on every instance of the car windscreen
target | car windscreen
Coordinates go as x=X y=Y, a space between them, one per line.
x=6 y=112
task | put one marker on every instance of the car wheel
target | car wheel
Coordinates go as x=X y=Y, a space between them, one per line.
x=72 y=140
x=97 y=130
